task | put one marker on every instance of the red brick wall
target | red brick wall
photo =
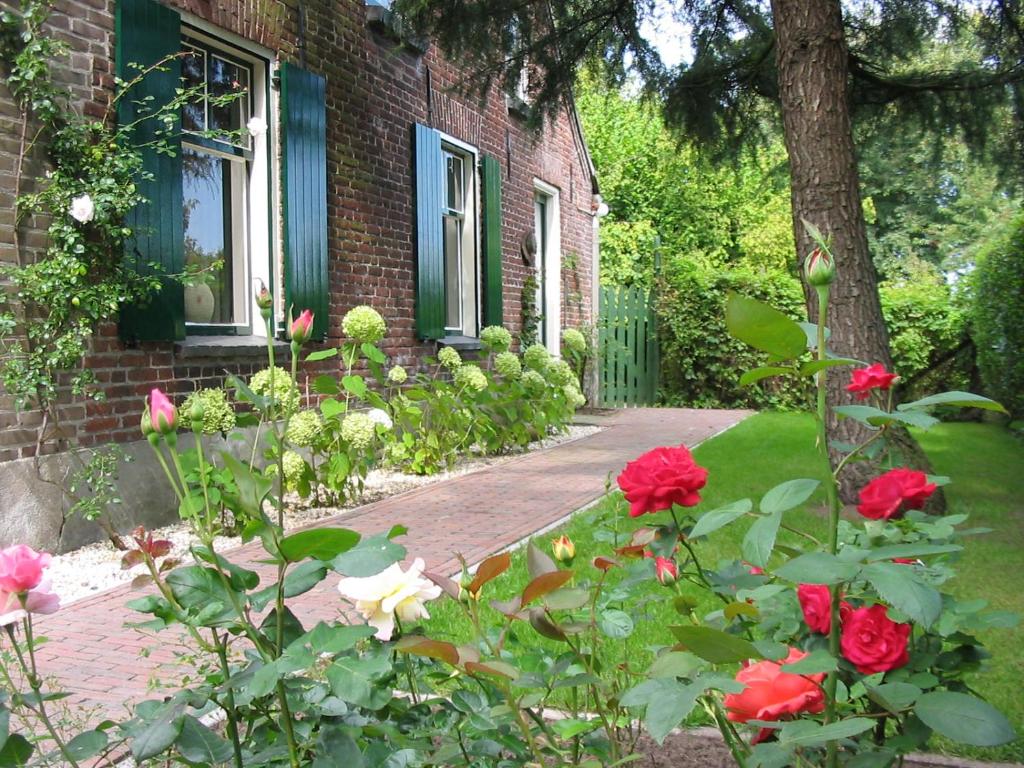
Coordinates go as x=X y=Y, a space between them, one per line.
x=376 y=90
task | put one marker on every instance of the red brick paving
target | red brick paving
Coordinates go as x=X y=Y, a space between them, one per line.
x=106 y=665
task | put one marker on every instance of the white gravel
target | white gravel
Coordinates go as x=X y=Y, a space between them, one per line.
x=97 y=567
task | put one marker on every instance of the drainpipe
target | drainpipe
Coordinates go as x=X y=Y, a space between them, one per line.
x=600 y=210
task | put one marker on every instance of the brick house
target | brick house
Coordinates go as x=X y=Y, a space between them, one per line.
x=375 y=182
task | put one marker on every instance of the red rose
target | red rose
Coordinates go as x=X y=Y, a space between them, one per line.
x=863 y=380
x=660 y=478
x=771 y=693
x=873 y=642
x=897 y=490
x=666 y=571
x=816 y=603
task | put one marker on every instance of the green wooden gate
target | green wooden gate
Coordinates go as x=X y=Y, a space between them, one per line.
x=627 y=347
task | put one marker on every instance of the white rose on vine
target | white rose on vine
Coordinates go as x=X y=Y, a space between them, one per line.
x=82 y=209
x=256 y=126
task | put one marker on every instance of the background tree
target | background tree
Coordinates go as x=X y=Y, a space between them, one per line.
x=820 y=63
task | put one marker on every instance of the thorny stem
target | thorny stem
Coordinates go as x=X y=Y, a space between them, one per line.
x=232 y=722
x=832 y=496
x=732 y=739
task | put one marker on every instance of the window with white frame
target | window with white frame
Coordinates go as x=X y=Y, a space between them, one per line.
x=459 y=221
x=226 y=183
x=547 y=232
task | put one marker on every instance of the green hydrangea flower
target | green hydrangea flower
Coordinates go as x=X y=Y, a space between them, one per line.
x=364 y=324
x=574 y=341
x=218 y=415
x=449 y=357
x=286 y=393
x=397 y=375
x=496 y=338
x=534 y=383
x=358 y=430
x=508 y=365
x=304 y=428
x=560 y=373
x=574 y=396
x=536 y=357
x=294 y=466
x=471 y=377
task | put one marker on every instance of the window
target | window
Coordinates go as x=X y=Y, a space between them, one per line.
x=547 y=231
x=225 y=184
x=459 y=240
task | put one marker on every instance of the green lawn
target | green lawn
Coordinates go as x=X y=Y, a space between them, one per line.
x=985 y=463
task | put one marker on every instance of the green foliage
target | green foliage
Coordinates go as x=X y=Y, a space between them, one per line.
x=280 y=389
x=218 y=414
x=998 y=316
x=698 y=357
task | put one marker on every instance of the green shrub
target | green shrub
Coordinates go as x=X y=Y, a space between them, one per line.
x=699 y=359
x=218 y=415
x=998 y=317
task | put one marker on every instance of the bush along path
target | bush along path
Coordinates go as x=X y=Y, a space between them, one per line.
x=107 y=665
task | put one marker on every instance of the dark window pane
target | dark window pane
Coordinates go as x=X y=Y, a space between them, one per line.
x=452 y=272
x=228 y=79
x=207 y=197
x=454 y=182
x=193 y=74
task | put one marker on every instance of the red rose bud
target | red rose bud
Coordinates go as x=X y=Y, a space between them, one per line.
x=819 y=268
x=666 y=571
x=889 y=495
x=873 y=642
x=816 y=603
x=660 y=478
x=264 y=300
x=863 y=380
x=301 y=327
x=563 y=549
x=163 y=416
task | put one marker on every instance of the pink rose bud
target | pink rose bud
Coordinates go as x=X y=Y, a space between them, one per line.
x=263 y=298
x=163 y=416
x=21 y=568
x=819 y=267
x=302 y=327
x=666 y=570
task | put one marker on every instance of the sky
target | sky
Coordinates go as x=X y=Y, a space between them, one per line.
x=668 y=35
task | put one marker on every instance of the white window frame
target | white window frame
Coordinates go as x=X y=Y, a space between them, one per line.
x=260 y=228
x=469 y=269
x=550 y=303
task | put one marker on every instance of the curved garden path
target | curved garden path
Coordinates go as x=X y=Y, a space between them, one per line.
x=107 y=665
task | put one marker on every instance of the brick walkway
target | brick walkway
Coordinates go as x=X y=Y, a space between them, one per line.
x=106 y=665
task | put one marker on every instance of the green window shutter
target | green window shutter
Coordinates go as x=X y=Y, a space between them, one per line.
x=146 y=33
x=304 y=187
x=490 y=181
x=429 y=176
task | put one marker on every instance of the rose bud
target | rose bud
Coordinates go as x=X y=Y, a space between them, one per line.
x=819 y=268
x=301 y=327
x=163 y=416
x=563 y=549
x=264 y=300
x=666 y=571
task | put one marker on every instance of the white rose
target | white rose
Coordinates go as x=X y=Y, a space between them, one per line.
x=256 y=126
x=82 y=209
x=391 y=592
x=377 y=416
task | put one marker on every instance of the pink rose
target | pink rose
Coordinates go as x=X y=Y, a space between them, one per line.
x=889 y=495
x=301 y=327
x=873 y=642
x=41 y=599
x=21 y=568
x=863 y=380
x=660 y=478
x=163 y=416
x=770 y=693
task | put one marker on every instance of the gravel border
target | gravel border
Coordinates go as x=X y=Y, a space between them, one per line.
x=97 y=567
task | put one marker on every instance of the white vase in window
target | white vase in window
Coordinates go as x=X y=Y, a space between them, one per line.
x=199 y=306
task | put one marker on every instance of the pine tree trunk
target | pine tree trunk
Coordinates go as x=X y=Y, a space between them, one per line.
x=812 y=67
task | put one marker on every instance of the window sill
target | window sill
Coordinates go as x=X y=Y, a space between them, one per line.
x=461 y=343
x=228 y=346
x=386 y=22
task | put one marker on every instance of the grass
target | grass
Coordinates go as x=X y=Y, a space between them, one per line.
x=985 y=463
